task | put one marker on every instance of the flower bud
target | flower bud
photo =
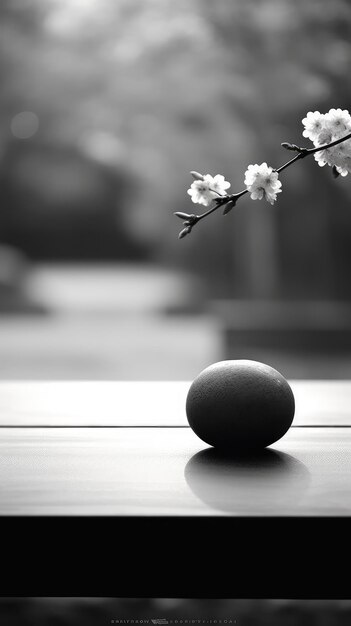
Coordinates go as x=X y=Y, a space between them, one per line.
x=182 y=216
x=229 y=206
x=184 y=232
x=197 y=176
x=290 y=146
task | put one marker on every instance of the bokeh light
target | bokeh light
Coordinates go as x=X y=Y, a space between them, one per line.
x=24 y=125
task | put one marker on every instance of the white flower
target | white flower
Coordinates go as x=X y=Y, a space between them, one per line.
x=218 y=183
x=200 y=192
x=204 y=191
x=325 y=136
x=338 y=122
x=314 y=123
x=338 y=156
x=262 y=182
x=326 y=128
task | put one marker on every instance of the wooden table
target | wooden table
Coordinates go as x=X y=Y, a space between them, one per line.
x=122 y=454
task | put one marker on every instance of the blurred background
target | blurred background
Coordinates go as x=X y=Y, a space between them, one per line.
x=105 y=611
x=105 y=108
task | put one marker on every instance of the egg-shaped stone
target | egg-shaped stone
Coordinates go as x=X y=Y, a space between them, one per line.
x=240 y=405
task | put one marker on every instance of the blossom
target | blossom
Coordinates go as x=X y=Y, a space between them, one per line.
x=209 y=187
x=262 y=182
x=326 y=128
x=338 y=122
x=338 y=156
x=314 y=123
x=218 y=183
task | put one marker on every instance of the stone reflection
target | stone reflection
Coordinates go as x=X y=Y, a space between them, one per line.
x=268 y=482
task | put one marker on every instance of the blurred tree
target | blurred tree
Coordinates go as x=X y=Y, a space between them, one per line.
x=150 y=89
x=290 y=57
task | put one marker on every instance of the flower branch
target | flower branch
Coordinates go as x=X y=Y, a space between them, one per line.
x=330 y=134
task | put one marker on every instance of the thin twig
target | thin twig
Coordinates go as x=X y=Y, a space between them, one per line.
x=234 y=197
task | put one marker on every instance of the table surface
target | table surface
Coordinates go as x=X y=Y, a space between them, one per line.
x=125 y=449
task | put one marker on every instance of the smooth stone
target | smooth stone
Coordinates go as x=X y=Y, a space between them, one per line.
x=240 y=405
